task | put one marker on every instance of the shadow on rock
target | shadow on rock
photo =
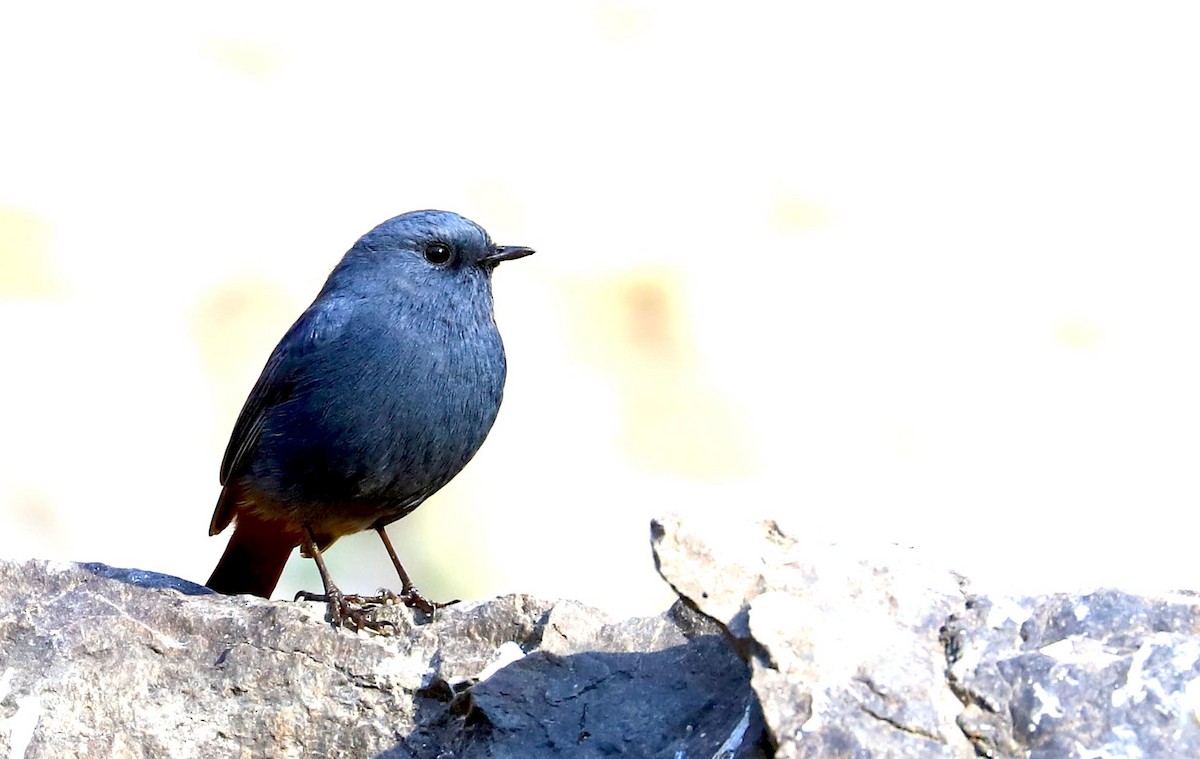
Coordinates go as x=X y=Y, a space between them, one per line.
x=143 y=579
x=686 y=700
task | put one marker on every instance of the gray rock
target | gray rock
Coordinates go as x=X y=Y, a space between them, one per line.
x=777 y=646
x=97 y=661
x=843 y=647
x=867 y=652
x=1105 y=674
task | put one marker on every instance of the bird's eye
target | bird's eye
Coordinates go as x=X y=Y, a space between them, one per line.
x=438 y=253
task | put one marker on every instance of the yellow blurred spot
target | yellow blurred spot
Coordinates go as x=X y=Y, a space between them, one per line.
x=634 y=314
x=244 y=58
x=25 y=269
x=684 y=427
x=236 y=326
x=634 y=328
x=1078 y=334
x=27 y=511
x=621 y=21
x=792 y=213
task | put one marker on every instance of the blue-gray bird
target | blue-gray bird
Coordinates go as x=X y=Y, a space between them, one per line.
x=377 y=396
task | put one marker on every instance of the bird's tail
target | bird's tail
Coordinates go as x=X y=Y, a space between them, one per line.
x=254 y=558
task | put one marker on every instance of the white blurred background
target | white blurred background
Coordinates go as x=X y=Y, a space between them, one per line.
x=922 y=273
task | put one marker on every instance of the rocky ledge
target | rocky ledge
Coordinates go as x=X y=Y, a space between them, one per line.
x=777 y=647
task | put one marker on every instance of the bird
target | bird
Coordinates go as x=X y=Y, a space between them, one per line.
x=375 y=398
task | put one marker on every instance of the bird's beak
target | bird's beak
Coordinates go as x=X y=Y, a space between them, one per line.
x=506 y=253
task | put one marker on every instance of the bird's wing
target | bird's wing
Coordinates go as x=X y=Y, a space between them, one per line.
x=322 y=322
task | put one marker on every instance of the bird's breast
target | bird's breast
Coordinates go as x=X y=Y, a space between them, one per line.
x=389 y=414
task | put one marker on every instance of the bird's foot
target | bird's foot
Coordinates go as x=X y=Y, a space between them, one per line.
x=410 y=597
x=351 y=611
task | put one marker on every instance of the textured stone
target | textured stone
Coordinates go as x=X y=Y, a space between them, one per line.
x=97 y=661
x=777 y=646
x=866 y=652
x=844 y=646
x=1104 y=674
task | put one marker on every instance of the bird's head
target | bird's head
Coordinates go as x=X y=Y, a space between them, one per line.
x=430 y=251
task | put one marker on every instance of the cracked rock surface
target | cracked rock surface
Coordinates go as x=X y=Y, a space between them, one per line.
x=859 y=652
x=844 y=647
x=100 y=662
x=777 y=646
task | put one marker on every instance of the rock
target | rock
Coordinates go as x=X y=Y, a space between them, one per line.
x=1105 y=674
x=97 y=661
x=859 y=652
x=843 y=647
x=777 y=646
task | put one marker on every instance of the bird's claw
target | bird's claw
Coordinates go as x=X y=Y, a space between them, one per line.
x=411 y=598
x=352 y=611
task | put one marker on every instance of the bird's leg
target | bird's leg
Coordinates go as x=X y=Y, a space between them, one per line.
x=341 y=610
x=409 y=595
